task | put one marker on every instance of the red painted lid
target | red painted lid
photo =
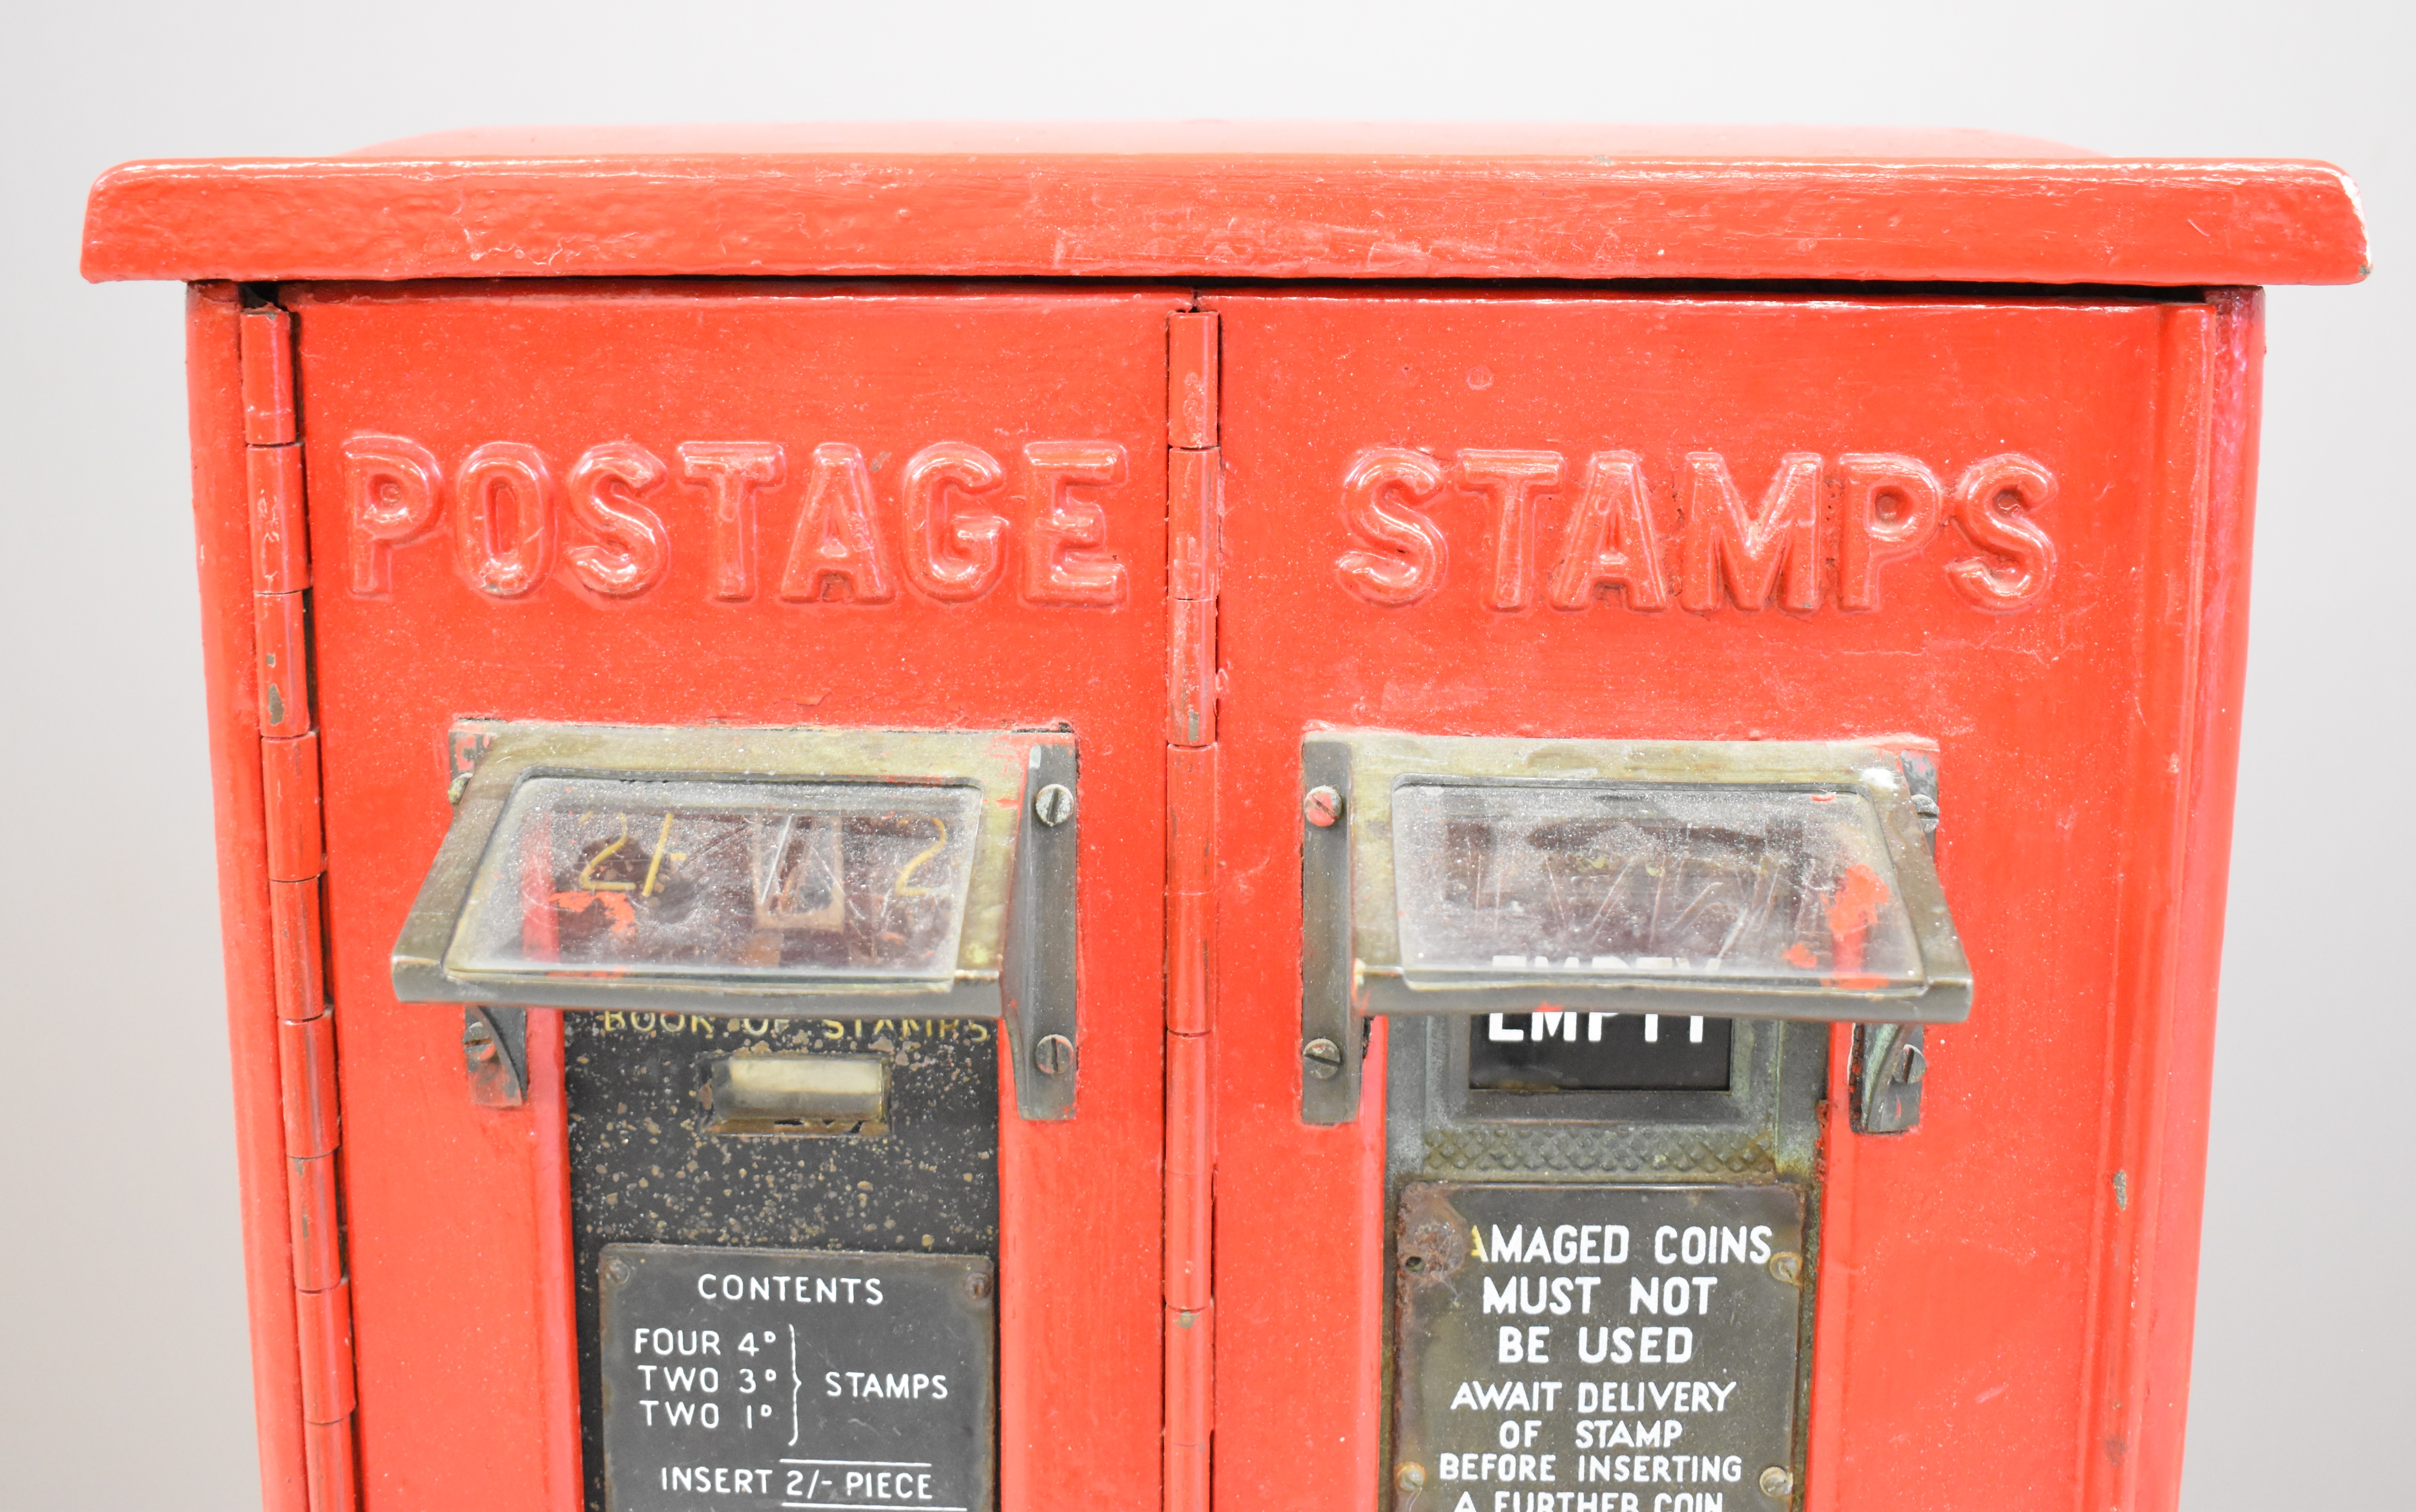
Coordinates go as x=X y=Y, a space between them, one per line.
x=1210 y=200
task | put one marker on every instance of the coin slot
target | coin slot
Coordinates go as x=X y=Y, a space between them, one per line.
x=799 y=1095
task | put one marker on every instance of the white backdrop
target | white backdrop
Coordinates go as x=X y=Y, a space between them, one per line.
x=123 y=1378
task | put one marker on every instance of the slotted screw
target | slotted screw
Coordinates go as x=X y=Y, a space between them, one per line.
x=1053 y=1055
x=1787 y=1266
x=1054 y=804
x=1911 y=1065
x=1776 y=1481
x=1411 y=1478
x=1323 y=1058
x=1321 y=807
x=479 y=1041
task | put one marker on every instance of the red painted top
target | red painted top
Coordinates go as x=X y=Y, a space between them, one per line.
x=1203 y=200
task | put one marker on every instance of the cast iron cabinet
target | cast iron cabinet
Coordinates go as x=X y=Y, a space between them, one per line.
x=1209 y=457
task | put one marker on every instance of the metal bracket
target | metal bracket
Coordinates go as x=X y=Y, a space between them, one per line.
x=1040 y=938
x=1889 y=1065
x=1890 y=1059
x=465 y=746
x=1920 y=769
x=494 y=1051
x=1333 y=1037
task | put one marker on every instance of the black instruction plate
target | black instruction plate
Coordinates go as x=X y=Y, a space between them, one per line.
x=762 y=1380
x=1634 y=1345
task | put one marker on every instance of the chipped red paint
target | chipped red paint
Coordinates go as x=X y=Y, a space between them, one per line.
x=1212 y=200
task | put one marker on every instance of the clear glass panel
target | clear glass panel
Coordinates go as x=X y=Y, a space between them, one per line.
x=1658 y=881
x=747 y=880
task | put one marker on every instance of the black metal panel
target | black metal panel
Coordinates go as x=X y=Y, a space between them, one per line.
x=754 y=1379
x=644 y=1170
x=1577 y=1339
x=1594 y=1147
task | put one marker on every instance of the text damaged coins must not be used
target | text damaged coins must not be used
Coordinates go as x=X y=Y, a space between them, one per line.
x=1620 y=1349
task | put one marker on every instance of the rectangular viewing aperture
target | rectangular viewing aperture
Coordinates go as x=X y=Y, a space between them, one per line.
x=1581 y=1051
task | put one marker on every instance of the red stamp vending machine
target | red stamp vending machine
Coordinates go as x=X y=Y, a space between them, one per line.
x=1474 y=820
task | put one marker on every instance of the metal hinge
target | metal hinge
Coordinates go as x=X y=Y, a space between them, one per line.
x=1193 y=546
x=297 y=866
